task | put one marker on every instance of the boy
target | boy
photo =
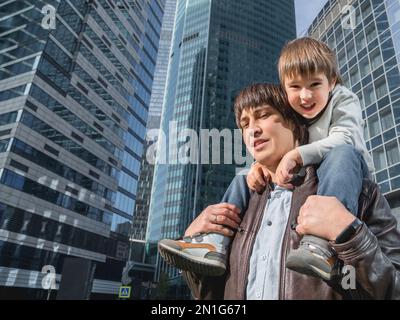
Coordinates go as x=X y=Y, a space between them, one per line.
x=309 y=74
x=310 y=77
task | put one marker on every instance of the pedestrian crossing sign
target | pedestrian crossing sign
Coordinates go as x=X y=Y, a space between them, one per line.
x=124 y=292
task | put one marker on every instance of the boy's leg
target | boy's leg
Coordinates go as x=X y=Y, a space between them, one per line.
x=206 y=253
x=238 y=193
x=340 y=175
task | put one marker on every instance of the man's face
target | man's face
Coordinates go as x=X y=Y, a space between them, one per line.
x=266 y=135
x=308 y=96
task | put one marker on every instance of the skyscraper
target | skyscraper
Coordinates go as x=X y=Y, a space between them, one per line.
x=75 y=84
x=365 y=36
x=140 y=217
x=218 y=48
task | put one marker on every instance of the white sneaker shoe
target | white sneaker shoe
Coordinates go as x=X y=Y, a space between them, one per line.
x=194 y=254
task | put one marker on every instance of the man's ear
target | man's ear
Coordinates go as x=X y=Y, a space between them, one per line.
x=292 y=127
x=295 y=140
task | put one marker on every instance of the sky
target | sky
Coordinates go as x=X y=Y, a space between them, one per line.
x=306 y=11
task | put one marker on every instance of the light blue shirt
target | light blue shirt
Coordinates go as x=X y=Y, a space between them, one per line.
x=264 y=273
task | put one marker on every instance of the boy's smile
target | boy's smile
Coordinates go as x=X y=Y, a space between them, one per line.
x=308 y=96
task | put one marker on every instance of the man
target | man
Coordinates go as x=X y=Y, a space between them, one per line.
x=276 y=219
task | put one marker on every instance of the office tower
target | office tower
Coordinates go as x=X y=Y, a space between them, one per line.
x=365 y=36
x=75 y=84
x=218 y=48
x=139 y=270
x=154 y=120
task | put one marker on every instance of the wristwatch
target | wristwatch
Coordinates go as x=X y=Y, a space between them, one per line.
x=349 y=232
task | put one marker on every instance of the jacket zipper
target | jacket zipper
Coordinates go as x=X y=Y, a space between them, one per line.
x=286 y=237
x=251 y=242
x=283 y=269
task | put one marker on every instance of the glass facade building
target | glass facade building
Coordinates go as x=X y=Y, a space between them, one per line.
x=144 y=193
x=74 y=99
x=365 y=35
x=218 y=48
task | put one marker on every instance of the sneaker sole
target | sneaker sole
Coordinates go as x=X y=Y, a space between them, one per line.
x=184 y=261
x=302 y=262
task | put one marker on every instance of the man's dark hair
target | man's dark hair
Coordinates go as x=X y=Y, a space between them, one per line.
x=261 y=94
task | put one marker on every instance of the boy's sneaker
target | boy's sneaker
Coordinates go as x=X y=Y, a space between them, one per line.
x=194 y=254
x=314 y=257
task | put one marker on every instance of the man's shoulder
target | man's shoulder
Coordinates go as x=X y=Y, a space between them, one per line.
x=370 y=193
x=369 y=186
x=374 y=209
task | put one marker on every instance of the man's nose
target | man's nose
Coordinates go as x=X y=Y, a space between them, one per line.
x=254 y=129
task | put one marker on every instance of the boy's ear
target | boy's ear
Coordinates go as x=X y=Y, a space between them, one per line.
x=333 y=84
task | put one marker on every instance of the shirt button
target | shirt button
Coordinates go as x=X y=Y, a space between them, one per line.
x=264 y=257
x=269 y=223
x=258 y=295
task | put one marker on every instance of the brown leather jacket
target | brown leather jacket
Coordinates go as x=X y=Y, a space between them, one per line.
x=374 y=252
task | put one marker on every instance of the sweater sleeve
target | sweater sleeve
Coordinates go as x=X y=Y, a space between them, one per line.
x=346 y=127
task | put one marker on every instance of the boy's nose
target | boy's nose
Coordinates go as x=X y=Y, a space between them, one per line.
x=305 y=94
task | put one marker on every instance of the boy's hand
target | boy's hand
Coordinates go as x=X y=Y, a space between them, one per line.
x=258 y=177
x=284 y=171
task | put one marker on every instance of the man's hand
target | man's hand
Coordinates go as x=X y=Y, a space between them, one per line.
x=258 y=177
x=286 y=165
x=324 y=217
x=215 y=218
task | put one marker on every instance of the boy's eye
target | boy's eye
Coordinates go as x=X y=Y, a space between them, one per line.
x=244 y=125
x=315 y=84
x=264 y=115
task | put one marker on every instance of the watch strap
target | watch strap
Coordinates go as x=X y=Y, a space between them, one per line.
x=349 y=231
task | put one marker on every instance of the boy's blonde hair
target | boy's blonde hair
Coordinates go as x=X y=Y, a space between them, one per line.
x=306 y=57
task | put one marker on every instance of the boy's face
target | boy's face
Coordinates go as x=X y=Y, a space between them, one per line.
x=308 y=95
x=266 y=135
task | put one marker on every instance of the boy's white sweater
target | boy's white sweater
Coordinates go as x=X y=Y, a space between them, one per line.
x=341 y=123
